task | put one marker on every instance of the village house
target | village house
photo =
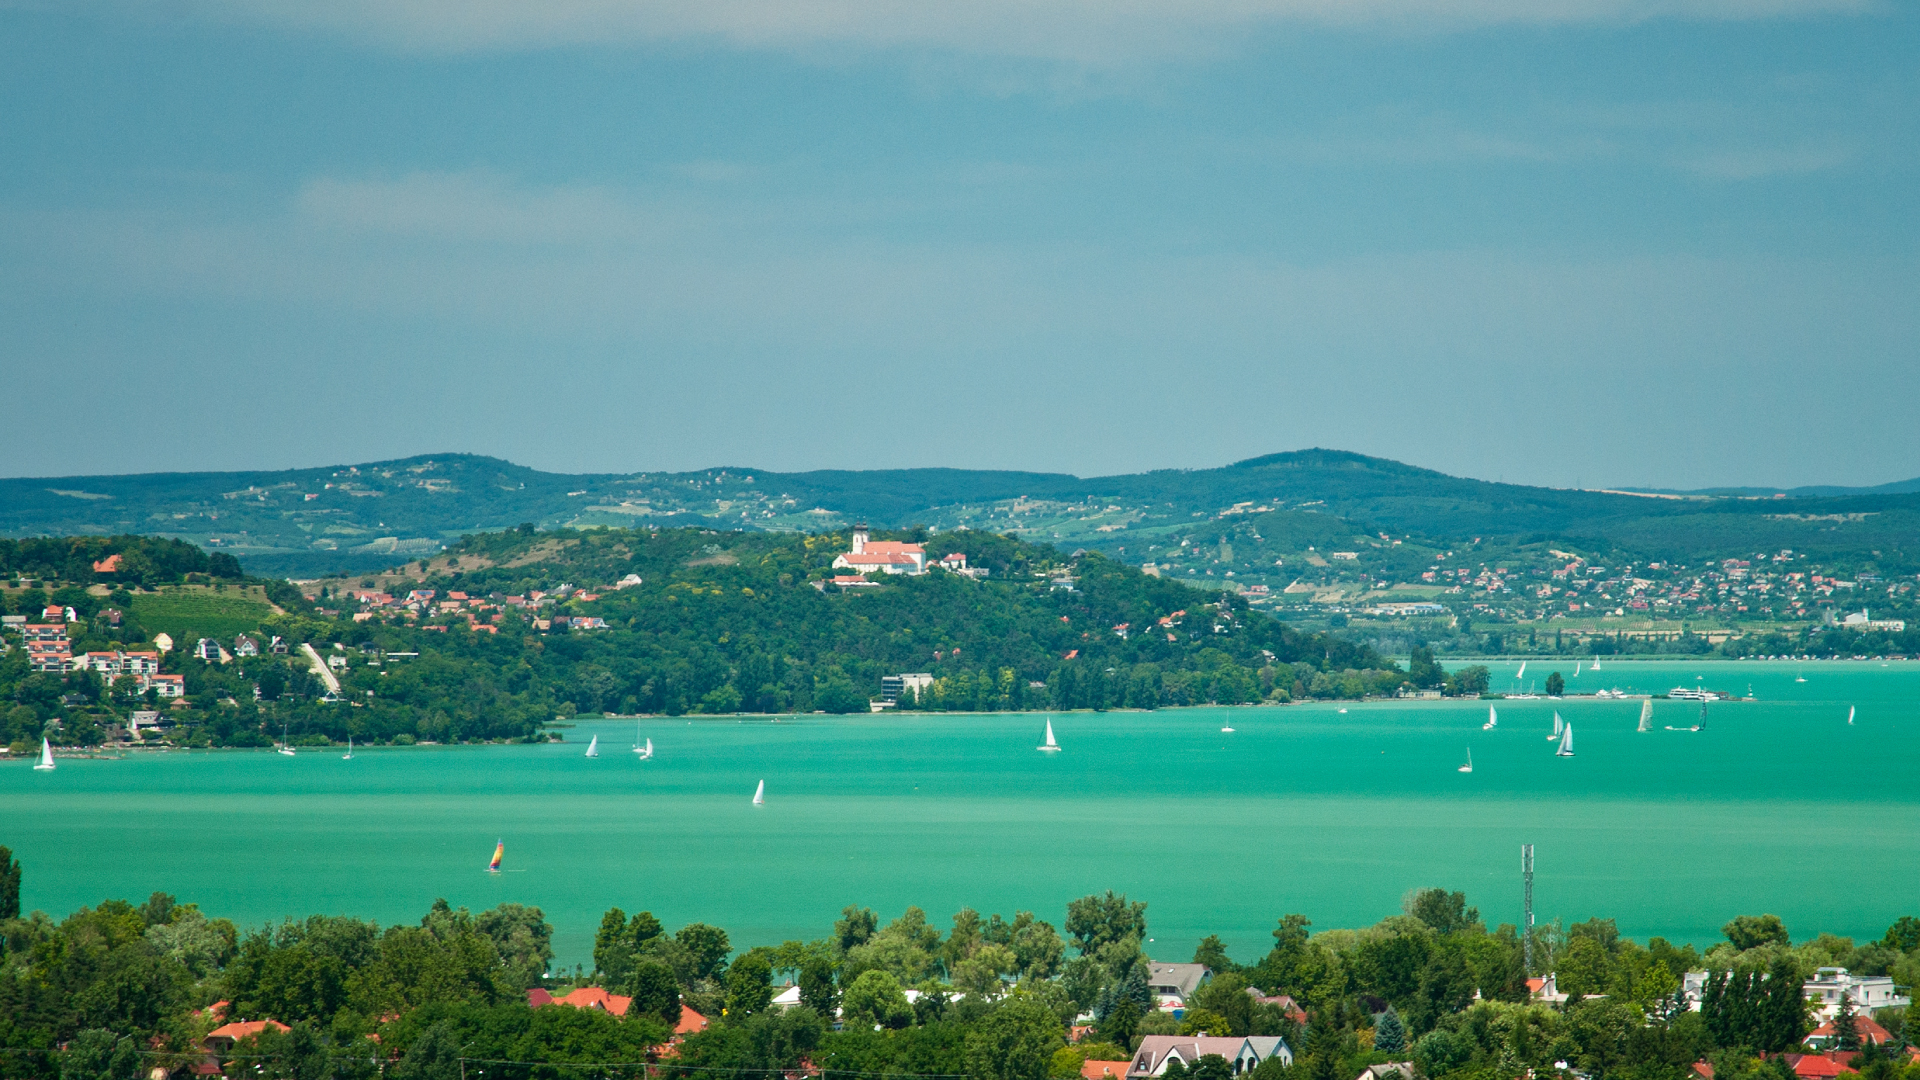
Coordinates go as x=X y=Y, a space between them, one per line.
x=1869 y=993
x=1244 y=1053
x=1173 y=984
x=886 y=556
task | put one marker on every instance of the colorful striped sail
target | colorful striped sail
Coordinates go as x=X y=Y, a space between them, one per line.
x=499 y=852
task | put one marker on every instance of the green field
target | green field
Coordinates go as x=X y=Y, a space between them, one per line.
x=193 y=612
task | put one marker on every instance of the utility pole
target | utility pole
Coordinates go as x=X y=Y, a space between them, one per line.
x=1526 y=930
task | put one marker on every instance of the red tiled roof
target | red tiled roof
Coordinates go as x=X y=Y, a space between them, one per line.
x=244 y=1029
x=108 y=565
x=1703 y=1069
x=893 y=547
x=690 y=1022
x=1100 y=1070
x=586 y=997
x=1863 y=1025
x=1814 y=1066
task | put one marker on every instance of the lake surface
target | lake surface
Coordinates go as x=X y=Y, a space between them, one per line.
x=1778 y=806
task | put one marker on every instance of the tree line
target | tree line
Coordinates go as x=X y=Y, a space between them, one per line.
x=116 y=990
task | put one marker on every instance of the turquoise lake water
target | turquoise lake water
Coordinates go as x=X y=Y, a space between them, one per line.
x=1779 y=806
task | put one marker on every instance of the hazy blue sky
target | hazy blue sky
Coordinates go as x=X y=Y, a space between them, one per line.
x=1555 y=241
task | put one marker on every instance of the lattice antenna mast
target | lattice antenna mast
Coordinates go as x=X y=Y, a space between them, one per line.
x=1526 y=931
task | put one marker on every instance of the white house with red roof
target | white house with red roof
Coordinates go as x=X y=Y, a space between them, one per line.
x=886 y=556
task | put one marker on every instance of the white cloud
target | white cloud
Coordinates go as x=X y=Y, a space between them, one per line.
x=1079 y=31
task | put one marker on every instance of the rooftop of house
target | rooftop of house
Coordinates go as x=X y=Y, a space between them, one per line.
x=585 y=997
x=243 y=1029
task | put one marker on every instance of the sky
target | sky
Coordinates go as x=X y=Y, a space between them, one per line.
x=1560 y=242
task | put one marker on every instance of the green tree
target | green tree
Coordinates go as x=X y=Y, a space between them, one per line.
x=1751 y=932
x=1095 y=921
x=708 y=946
x=613 y=948
x=1445 y=912
x=1846 y=1026
x=97 y=1054
x=1556 y=685
x=1210 y=1067
x=9 y=885
x=817 y=990
x=749 y=984
x=1213 y=952
x=855 y=927
x=876 y=999
x=1015 y=1041
x=1389 y=1034
x=655 y=991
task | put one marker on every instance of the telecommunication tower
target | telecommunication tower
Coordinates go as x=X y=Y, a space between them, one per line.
x=1526 y=931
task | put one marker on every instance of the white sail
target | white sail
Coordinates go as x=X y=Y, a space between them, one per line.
x=1566 y=743
x=1646 y=715
x=285 y=746
x=1576 y=668
x=1468 y=767
x=1596 y=663
x=1559 y=725
x=1850 y=710
x=46 y=755
x=1522 y=673
x=1050 y=744
x=1493 y=719
x=593 y=746
x=760 y=794
x=348 y=756
x=645 y=752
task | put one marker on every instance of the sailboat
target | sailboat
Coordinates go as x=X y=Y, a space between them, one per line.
x=760 y=794
x=593 y=746
x=645 y=752
x=1596 y=662
x=1522 y=673
x=1646 y=715
x=1468 y=767
x=348 y=756
x=1802 y=677
x=1702 y=725
x=1229 y=726
x=1850 y=710
x=1493 y=719
x=285 y=747
x=1566 y=743
x=499 y=852
x=1576 y=668
x=1050 y=746
x=46 y=756
x=1559 y=726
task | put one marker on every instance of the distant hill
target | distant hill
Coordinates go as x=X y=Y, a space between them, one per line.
x=350 y=518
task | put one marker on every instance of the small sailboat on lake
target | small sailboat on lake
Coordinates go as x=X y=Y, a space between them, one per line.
x=348 y=756
x=1522 y=673
x=1596 y=662
x=1559 y=726
x=1566 y=743
x=1228 y=727
x=1049 y=746
x=1576 y=668
x=1468 y=767
x=1493 y=719
x=499 y=852
x=645 y=752
x=1646 y=715
x=45 y=764
x=593 y=746
x=760 y=794
x=1850 y=710
x=285 y=747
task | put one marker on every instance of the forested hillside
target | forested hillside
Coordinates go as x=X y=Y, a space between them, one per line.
x=506 y=631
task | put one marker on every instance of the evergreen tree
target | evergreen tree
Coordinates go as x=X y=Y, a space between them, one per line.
x=1390 y=1035
x=816 y=987
x=613 y=948
x=1846 y=1026
x=9 y=885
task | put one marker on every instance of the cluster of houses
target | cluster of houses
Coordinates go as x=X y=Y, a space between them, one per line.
x=1173 y=984
x=483 y=614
